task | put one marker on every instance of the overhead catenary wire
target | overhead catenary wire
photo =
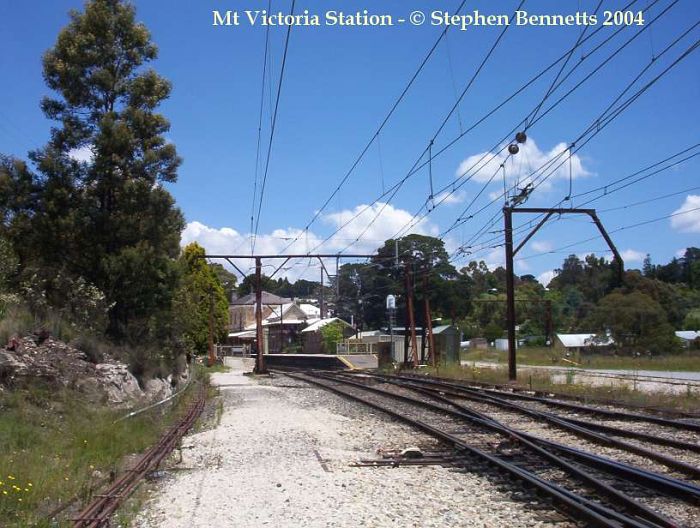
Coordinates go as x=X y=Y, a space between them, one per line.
x=272 y=130
x=456 y=184
x=466 y=176
x=671 y=161
x=381 y=126
x=418 y=165
x=260 y=118
x=596 y=127
x=469 y=84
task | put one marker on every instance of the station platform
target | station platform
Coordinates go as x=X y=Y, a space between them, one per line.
x=323 y=361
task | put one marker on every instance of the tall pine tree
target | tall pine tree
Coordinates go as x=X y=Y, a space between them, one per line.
x=104 y=215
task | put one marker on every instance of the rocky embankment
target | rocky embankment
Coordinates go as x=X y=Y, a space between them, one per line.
x=31 y=359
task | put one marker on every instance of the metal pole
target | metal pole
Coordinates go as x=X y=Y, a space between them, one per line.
x=281 y=328
x=412 y=320
x=260 y=362
x=391 y=332
x=548 y=322
x=337 y=285
x=429 y=322
x=510 y=292
x=212 y=355
x=406 y=318
x=322 y=306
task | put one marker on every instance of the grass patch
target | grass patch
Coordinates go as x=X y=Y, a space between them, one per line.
x=541 y=381
x=57 y=448
x=543 y=356
x=215 y=368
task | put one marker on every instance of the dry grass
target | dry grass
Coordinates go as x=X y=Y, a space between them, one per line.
x=687 y=402
x=543 y=356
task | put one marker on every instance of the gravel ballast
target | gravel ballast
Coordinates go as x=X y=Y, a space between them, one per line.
x=281 y=456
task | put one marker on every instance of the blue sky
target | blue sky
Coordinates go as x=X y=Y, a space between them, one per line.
x=339 y=84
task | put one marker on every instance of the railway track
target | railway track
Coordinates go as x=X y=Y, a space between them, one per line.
x=677 y=454
x=98 y=513
x=585 y=486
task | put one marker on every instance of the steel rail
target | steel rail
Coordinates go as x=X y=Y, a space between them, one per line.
x=660 y=440
x=515 y=390
x=622 y=415
x=594 y=513
x=483 y=420
x=578 y=430
x=649 y=479
x=97 y=513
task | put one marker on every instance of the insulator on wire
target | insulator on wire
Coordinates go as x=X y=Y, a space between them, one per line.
x=513 y=148
x=521 y=137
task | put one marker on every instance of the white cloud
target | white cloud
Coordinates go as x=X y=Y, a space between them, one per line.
x=519 y=166
x=229 y=241
x=632 y=255
x=373 y=224
x=546 y=277
x=84 y=154
x=495 y=258
x=522 y=266
x=680 y=253
x=541 y=246
x=450 y=198
x=687 y=222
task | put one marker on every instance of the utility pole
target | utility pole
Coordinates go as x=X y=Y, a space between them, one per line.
x=432 y=354
x=337 y=286
x=548 y=326
x=510 y=292
x=411 y=316
x=511 y=252
x=260 y=360
x=212 y=355
x=322 y=306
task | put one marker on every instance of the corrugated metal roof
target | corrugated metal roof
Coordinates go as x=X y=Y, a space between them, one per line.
x=267 y=298
x=688 y=335
x=442 y=328
x=323 y=322
x=583 y=340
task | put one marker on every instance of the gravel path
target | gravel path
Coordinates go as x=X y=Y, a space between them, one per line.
x=281 y=456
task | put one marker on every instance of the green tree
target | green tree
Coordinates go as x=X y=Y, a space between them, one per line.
x=200 y=288
x=108 y=219
x=692 y=320
x=493 y=331
x=331 y=335
x=636 y=321
x=227 y=279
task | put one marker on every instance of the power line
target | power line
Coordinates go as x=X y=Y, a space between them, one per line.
x=616 y=230
x=260 y=117
x=418 y=165
x=393 y=108
x=607 y=191
x=396 y=187
x=456 y=186
x=460 y=181
x=272 y=130
x=593 y=130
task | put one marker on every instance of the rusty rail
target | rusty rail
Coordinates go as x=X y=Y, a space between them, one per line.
x=98 y=513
